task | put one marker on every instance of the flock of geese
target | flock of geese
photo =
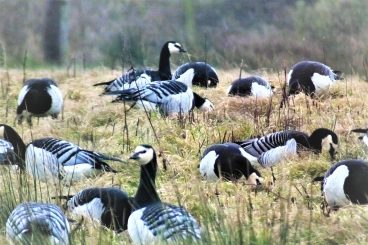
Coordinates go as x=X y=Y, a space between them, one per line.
x=144 y=215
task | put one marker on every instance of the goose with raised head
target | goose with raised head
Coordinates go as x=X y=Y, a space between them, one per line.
x=170 y=97
x=163 y=73
x=153 y=220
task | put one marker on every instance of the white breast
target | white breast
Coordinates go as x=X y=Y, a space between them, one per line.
x=261 y=92
x=322 y=83
x=334 y=187
x=138 y=232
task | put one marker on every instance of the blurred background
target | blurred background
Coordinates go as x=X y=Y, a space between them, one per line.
x=115 y=33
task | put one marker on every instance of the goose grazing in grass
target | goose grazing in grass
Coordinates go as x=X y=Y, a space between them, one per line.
x=205 y=74
x=37 y=223
x=50 y=159
x=169 y=97
x=311 y=77
x=163 y=72
x=273 y=148
x=110 y=207
x=39 y=98
x=229 y=161
x=155 y=221
x=364 y=137
x=346 y=182
x=251 y=86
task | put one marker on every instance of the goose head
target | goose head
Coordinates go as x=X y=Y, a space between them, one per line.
x=323 y=139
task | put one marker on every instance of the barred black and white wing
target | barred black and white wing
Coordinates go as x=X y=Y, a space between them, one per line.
x=36 y=223
x=162 y=222
x=129 y=79
x=61 y=155
x=270 y=149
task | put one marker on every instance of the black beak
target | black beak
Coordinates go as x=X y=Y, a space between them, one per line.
x=135 y=156
x=182 y=50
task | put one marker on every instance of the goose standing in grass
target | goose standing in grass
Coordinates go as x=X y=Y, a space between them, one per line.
x=163 y=72
x=251 y=86
x=273 y=148
x=110 y=207
x=37 y=223
x=346 y=182
x=50 y=159
x=229 y=161
x=39 y=98
x=205 y=74
x=311 y=77
x=154 y=221
x=169 y=97
x=364 y=137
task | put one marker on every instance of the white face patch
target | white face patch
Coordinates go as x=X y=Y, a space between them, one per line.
x=207 y=106
x=333 y=188
x=145 y=155
x=326 y=143
x=173 y=48
x=252 y=180
x=207 y=166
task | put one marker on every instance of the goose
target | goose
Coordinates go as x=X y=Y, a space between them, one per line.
x=110 y=206
x=163 y=72
x=311 y=77
x=152 y=220
x=170 y=97
x=273 y=148
x=229 y=161
x=12 y=146
x=37 y=223
x=39 y=98
x=205 y=74
x=364 y=137
x=54 y=159
x=344 y=183
x=251 y=86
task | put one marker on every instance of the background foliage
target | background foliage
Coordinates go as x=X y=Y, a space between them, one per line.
x=263 y=33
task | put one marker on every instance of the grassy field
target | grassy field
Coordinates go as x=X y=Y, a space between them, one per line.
x=286 y=212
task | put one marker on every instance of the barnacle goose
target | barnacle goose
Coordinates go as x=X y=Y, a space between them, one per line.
x=153 y=220
x=59 y=159
x=51 y=159
x=169 y=96
x=251 y=86
x=110 y=207
x=311 y=77
x=205 y=74
x=163 y=72
x=364 y=137
x=37 y=223
x=273 y=148
x=229 y=161
x=346 y=182
x=39 y=98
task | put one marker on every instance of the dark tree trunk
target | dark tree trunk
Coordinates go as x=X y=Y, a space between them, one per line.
x=52 y=39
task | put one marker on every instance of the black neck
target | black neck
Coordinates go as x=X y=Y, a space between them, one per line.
x=13 y=137
x=164 y=66
x=198 y=100
x=146 y=192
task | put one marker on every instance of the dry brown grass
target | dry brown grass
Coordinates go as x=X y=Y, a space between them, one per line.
x=93 y=122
